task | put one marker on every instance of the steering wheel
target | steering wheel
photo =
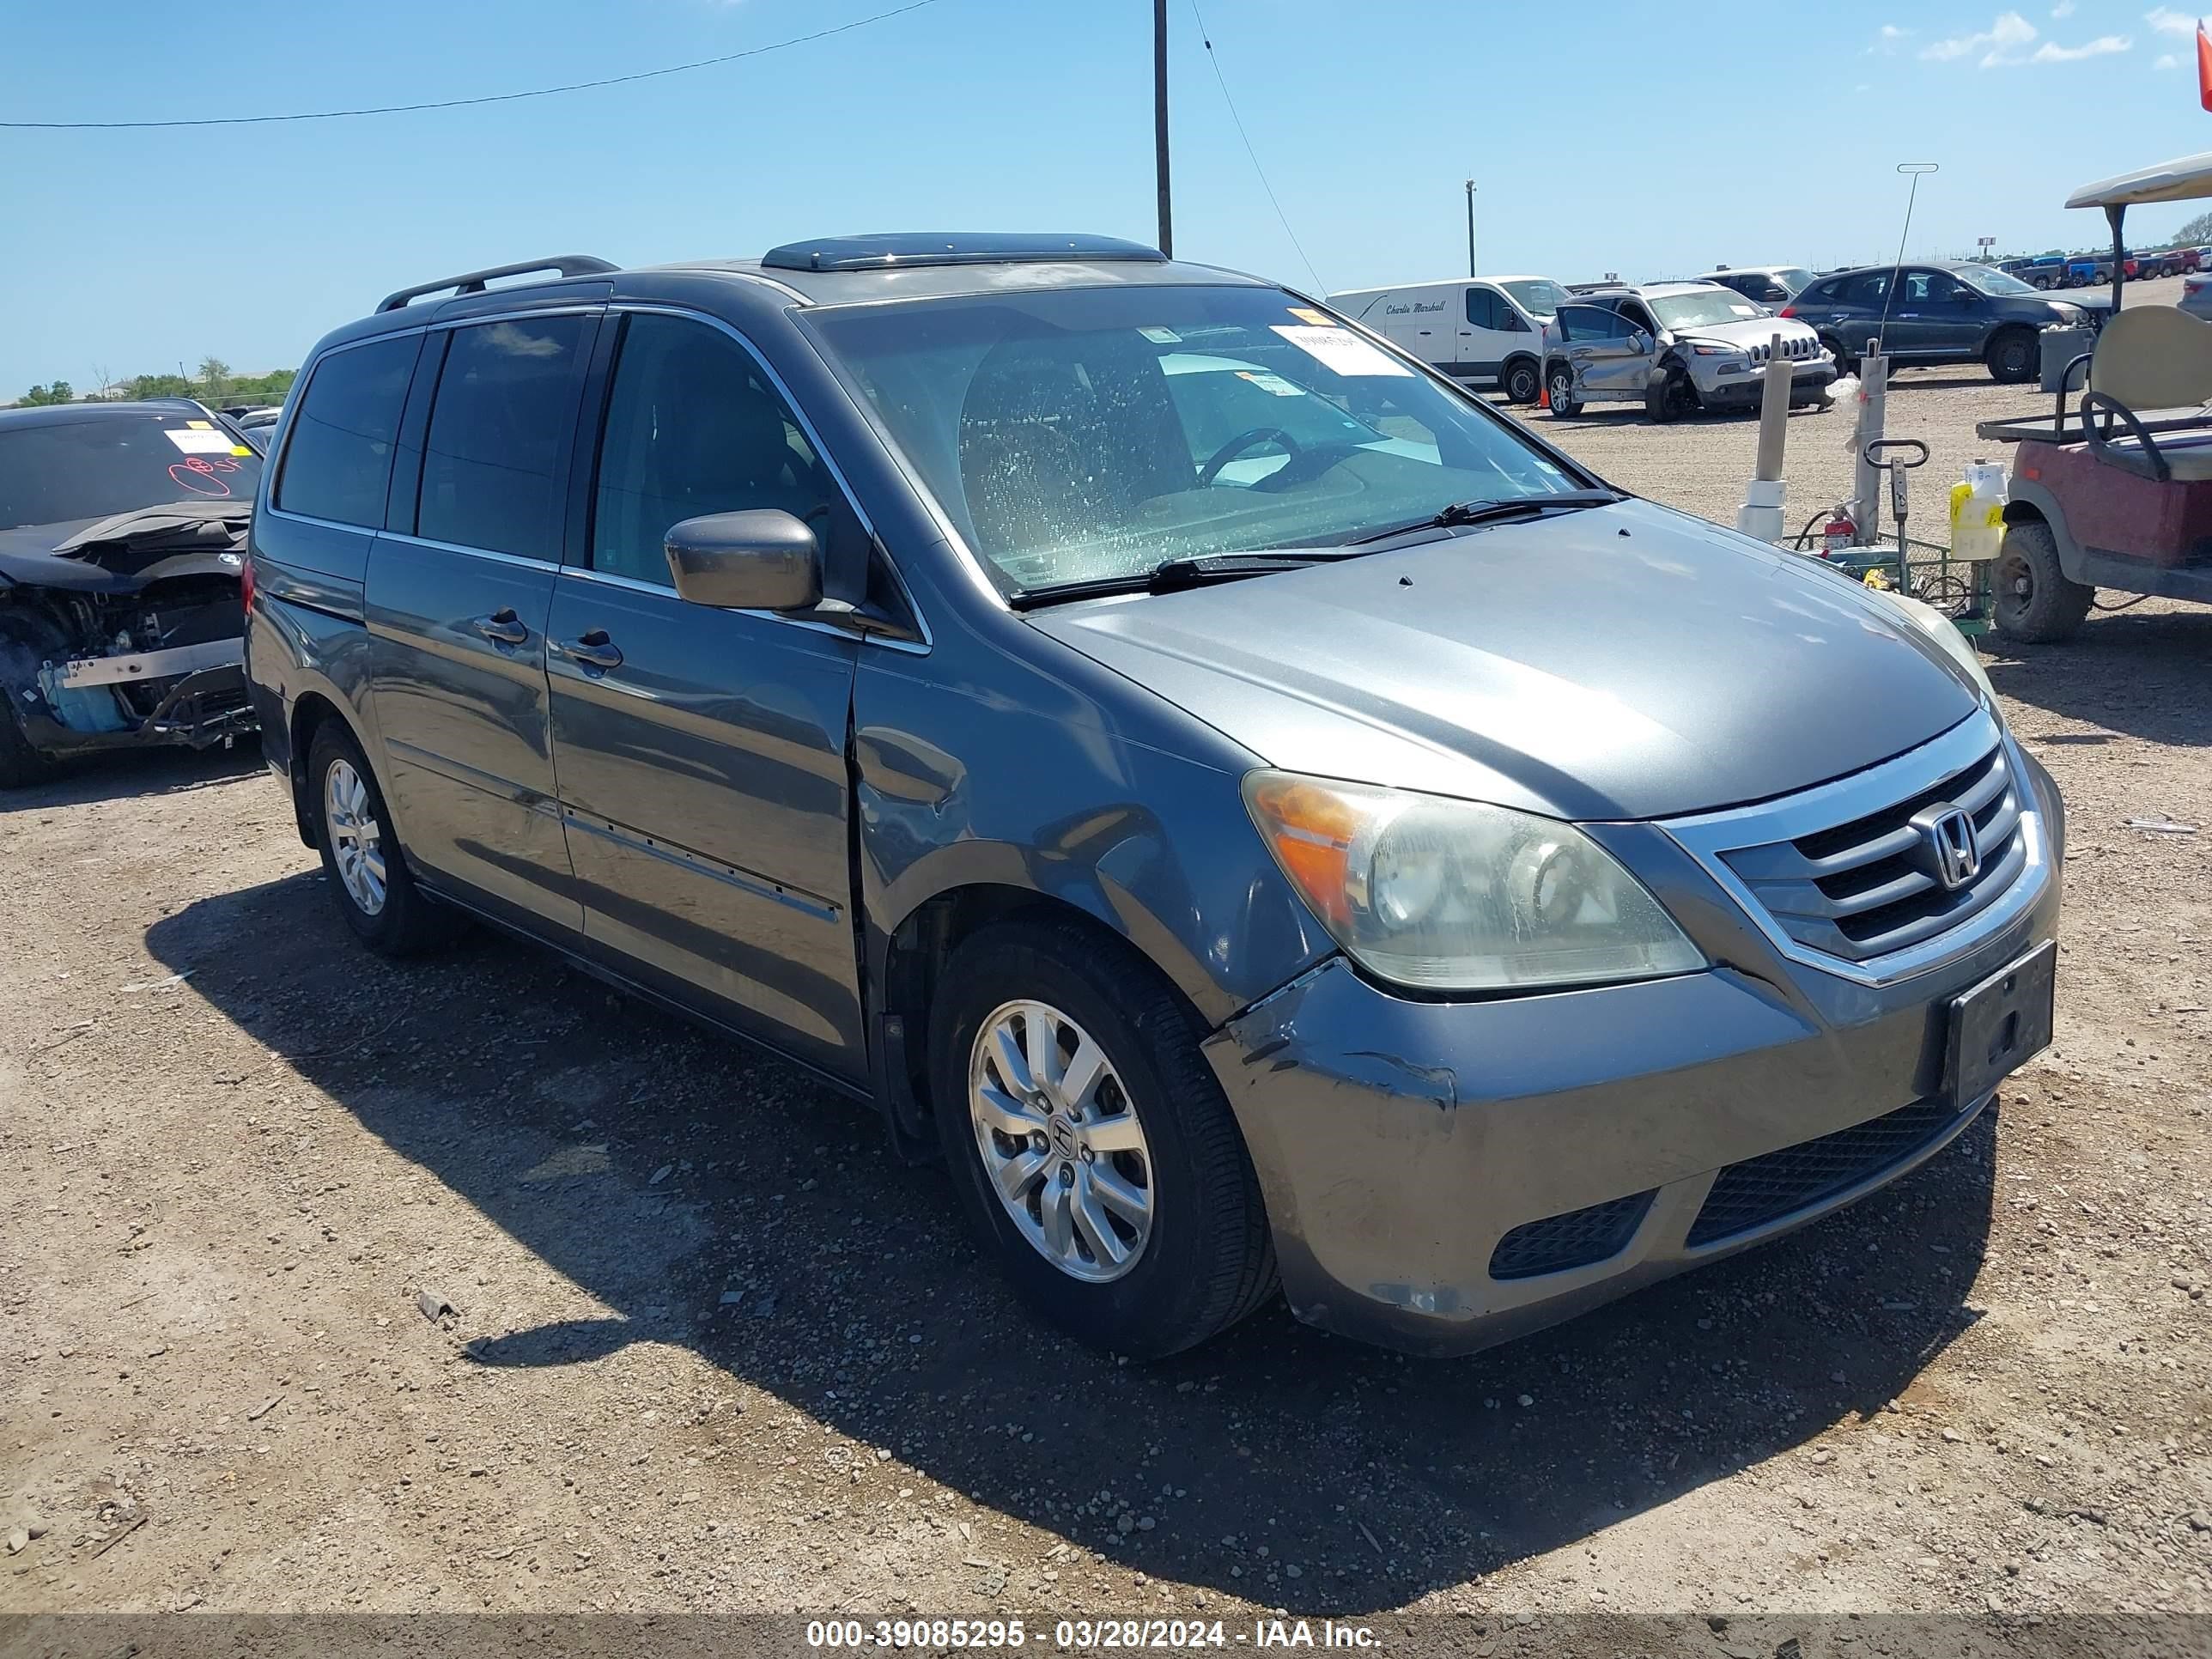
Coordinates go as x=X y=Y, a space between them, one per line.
x=1237 y=445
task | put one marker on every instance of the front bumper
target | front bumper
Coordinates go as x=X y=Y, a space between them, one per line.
x=199 y=710
x=1412 y=1152
x=1809 y=377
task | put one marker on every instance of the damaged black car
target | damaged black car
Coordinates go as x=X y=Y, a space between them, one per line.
x=122 y=541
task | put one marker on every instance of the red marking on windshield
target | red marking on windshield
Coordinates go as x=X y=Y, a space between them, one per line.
x=202 y=476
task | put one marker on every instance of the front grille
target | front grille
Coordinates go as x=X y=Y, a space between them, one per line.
x=1775 y=1184
x=1573 y=1240
x=1866 y=887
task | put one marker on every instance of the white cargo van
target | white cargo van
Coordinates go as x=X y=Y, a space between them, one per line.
x=1482 y=331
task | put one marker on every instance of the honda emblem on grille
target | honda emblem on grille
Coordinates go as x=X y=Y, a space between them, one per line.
x=1951 y=851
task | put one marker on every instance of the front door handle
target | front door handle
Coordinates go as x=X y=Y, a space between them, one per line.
x=595 y=650
x=503 y=626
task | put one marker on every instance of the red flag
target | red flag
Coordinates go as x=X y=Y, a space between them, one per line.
x=2204 y=66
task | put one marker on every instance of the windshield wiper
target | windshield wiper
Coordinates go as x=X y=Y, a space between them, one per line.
x=1471 y=513
x=1176 y=575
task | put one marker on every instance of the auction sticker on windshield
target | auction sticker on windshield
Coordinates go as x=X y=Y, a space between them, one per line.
x=1342 y=349
x=198 y=441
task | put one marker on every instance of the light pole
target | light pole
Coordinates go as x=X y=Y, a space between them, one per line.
x=1160 y=123
x=1470 y=226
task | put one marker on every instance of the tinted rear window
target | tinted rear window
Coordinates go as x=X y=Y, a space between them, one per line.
x=337 y=462
x=506 y=399
x=58 y=472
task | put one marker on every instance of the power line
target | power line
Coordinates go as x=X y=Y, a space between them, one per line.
x=1322 y=288
x=487 y=98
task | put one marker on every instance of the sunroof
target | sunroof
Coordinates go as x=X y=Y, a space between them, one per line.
x=912 y=247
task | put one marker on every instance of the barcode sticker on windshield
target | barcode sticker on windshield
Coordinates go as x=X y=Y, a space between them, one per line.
x=198 y=441
x=1274 y=383
x=1308 y=314
x=1340 y=349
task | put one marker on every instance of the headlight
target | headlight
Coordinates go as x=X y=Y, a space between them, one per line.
x=1956 y=646
x=1443 y=895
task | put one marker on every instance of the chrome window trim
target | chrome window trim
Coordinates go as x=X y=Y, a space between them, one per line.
x=522 y=560
x=1706 y=836
x=684 y=313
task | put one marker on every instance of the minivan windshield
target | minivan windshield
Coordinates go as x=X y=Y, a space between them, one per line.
x=56 y=472
x=1539 y=296
x=1080 y=434
x=1705 y=308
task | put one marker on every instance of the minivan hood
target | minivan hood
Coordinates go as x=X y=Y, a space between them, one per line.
x=1616 y=662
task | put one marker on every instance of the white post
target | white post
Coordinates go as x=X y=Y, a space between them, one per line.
x=1866 y=480
x=1760 y=515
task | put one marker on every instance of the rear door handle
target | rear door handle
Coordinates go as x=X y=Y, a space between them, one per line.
x=595 y=650
x=503 y=626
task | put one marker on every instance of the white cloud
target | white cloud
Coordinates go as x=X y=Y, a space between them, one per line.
x=1886 y=41
x=2063 y=10
x=2009 y=35
x=2002 y=42
x=2166 y=21
x=2167 y=61
x=2104 y=45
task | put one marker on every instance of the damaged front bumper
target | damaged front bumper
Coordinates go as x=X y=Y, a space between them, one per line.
x=203 y=706
x=1444 y=1176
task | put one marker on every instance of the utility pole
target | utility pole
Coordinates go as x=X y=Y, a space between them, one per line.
x=1160 y=123
x=1470 y=226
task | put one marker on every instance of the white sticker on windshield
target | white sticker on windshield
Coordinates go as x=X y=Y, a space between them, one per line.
x=203 y=440
x=1161 y=335
x=1274 y=383
x=1340 y=349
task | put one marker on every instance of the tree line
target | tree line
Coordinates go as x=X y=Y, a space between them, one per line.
x=216 y=383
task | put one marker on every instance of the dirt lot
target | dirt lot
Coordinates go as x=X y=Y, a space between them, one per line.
x=709 y=1348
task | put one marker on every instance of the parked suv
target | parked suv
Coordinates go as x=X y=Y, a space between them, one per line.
x=1361 y=850
x=1770 y=285
x=1940 y=314
x=1676 y=347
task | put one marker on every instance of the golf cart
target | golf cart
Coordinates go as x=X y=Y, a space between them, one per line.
x=2115 y=492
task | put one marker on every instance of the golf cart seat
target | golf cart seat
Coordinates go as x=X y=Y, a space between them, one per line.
x=2149 y=359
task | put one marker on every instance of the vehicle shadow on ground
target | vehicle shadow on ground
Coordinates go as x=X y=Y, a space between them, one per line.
x=717 y=1199
x=132 y=772
x=2138 y=672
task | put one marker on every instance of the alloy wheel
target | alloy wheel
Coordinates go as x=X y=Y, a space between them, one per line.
x=1060 y=1142
x=356 y=843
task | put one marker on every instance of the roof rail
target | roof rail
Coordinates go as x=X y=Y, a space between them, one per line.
x=472 y=282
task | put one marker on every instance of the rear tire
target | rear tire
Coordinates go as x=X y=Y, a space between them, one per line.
x=2036 y=603
x=1845 y=363
x=362 y=859
x=1520 y=381
x=2010 y=355
x=1202 y=1258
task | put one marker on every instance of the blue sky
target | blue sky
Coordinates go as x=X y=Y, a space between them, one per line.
x=132 y=250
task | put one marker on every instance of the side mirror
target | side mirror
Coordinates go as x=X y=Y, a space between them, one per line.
x=1638 y=341
x=762 y=559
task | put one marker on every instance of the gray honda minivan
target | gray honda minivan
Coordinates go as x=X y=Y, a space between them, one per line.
x=1259 y=815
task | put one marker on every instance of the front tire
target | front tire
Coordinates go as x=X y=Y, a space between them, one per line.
x=21 y=765
x=2036 y=603
x=2010 y=356
x=1093 y=1150
x=362 y=859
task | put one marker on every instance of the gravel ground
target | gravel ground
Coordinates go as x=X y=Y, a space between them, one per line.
x=330 y=1286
